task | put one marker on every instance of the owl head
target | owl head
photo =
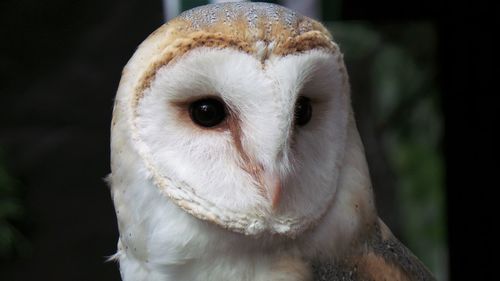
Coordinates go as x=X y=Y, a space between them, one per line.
x=239 y=113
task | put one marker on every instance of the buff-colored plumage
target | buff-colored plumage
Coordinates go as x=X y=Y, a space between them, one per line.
x=257 y=197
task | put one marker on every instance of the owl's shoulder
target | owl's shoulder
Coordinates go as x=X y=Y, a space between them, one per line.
x=381 y=257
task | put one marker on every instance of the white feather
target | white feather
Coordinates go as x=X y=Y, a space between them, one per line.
x=322 y=185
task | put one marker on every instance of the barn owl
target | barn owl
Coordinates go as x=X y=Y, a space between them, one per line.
x=235 y=156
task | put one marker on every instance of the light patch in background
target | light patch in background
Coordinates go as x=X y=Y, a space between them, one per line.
x=171 y=8
x=308 y=8
x=224 y=1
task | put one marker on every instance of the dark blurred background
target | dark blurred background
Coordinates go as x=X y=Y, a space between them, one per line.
x=422 y=81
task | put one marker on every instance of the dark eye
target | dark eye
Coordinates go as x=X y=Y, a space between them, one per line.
x=207 y=112
x=303 y=111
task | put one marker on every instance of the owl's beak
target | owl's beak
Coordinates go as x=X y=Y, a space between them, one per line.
x=274 y=190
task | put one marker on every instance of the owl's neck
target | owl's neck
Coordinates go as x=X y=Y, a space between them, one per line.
x=235 y=265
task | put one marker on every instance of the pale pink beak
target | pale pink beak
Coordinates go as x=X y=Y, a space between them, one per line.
x=274 y=187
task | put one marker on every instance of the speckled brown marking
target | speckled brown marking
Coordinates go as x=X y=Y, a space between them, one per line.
x=234 y=25
x=385 y=245
x=299 y=44
x=373 y=267
x=305 y=42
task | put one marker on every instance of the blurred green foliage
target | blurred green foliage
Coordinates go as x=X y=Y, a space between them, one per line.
x=12 y=242
x=401 y=65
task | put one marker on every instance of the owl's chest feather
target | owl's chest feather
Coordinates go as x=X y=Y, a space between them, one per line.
x=216 y=265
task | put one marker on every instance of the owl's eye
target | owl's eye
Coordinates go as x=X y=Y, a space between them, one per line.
x=303 y=111
x=207 y=112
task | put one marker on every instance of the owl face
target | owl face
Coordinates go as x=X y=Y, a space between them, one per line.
x=240 y=121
